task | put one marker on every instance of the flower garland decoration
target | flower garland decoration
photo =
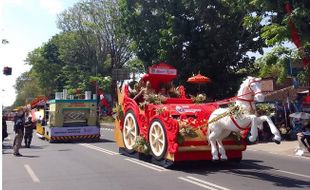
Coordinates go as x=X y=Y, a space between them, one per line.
x=200 y=98
x=141 y=145
x=189 y=125
x=185 y=131
x=264 y=109
x=152 y=98
x=118 y=112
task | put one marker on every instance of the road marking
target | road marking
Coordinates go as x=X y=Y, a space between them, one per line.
x=145 y=164
x=202 y=183
x=107 y=129
x=292 y=173
x=33 y=176
x=282 y=171
x=99 y=149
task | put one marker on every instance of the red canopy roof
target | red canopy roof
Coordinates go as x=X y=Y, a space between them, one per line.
x=160 y=73
x=40 y=100
x=199 y=79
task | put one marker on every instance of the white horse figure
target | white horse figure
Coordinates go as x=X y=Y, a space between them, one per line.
x=250 y=91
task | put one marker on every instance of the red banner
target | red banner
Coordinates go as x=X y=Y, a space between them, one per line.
x=294 y=35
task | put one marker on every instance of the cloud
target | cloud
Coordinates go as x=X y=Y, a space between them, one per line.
x=52 y=6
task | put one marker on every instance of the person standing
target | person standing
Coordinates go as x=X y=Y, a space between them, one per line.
x=28 y=132
x=19 y=131
x=4 y=128
x=304 y=136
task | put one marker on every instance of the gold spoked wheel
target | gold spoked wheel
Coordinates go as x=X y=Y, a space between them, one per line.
x=157 y=139
x=130 y=131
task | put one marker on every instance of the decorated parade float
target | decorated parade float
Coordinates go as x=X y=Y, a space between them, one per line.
x=39 y=113
x=64 y=119
x=177 y=128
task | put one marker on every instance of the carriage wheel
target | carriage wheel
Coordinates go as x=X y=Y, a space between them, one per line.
x=157 y=140
x=130 y=131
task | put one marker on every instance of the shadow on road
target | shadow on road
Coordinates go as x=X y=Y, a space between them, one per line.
x=203 y=167
x=83 y=141
x=255 y=170
x=5 y=146
x=30 y=156
x=252 y=169
x=36 y=147
x=104 y=141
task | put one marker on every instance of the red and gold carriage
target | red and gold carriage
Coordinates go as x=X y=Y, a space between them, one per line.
x=170 y=131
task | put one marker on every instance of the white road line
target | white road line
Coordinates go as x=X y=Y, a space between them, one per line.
x=292 y=173
x=148 y=165
x=196 y=183
x=99 y=149
x=107 y=129
x=282 y=171
x=207 y=183
x=145 y=164
x=33 y=176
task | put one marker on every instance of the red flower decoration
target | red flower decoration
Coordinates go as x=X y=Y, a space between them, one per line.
x=183 y=116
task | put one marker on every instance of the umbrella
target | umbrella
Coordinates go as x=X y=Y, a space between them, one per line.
x=198 y=79
x=300 y=115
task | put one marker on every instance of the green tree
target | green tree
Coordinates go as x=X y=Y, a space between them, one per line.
x=276 y=62
x=27 y=88
x=280 y=24
x=45 y=66
x=96 y=22
x=194 y=36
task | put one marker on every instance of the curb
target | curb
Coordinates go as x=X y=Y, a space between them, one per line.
x=288 y=148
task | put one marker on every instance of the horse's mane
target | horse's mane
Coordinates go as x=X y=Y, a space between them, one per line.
x=244 y=84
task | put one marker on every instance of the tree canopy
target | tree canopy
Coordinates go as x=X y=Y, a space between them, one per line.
x=283 y=21
x=195 y=36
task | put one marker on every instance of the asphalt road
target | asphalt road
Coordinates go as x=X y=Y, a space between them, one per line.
x=80 y=166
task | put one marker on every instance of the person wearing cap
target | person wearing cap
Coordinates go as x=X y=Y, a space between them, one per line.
x=19 y=122
x=28 y=132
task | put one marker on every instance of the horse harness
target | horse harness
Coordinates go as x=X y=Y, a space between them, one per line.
x=237 y=125
x=250 y=101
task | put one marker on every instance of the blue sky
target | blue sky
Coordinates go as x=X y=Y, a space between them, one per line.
x=26 y=24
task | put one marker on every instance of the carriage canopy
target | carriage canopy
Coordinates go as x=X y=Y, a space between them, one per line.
x=160 y=73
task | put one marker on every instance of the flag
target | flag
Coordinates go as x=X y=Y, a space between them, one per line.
x=294 y=34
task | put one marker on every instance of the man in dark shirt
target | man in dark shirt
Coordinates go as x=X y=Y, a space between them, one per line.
x=4 y=128
x=19 y=131
x=28 y=132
